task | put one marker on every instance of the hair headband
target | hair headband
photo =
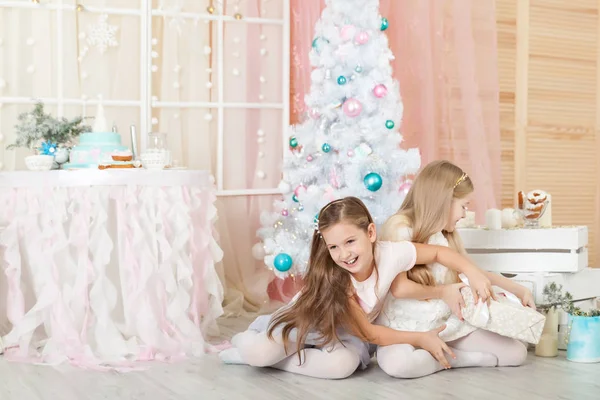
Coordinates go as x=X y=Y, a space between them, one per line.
x=461 y=179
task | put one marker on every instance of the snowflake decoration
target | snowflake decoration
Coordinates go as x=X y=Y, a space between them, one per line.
x=48 y=148
x=102 y=35
x=175 y=7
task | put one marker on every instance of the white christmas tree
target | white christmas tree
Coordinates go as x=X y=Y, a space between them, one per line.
x=349 y=145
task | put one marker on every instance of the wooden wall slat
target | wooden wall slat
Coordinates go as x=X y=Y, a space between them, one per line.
x=548 y=62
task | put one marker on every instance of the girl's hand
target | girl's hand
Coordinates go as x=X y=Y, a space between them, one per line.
x=527 y=299
x=453 y=297
x=481 y=286
x=431 y=342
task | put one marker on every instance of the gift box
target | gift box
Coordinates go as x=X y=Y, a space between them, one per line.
x=506 y=317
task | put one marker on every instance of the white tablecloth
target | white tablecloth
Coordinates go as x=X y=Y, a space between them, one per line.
x=108 y=267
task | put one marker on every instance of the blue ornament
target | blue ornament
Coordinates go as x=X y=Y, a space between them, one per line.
x=358 y=69
x=389 y=124
x=318 y=42
x=326 y=148
x=283 y=262
x=373 y=181
x=341 y=80
x=295 y=198
x=384 y=24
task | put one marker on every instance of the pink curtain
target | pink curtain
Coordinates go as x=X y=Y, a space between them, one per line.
x=446 y=64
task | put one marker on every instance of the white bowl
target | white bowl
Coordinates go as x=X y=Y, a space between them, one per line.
x=39 y=162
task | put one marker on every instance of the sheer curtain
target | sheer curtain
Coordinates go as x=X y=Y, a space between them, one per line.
x=446 y=64
x=188 y=71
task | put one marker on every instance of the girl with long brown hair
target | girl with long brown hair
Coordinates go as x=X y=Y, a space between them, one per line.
x=437 y=200
x=324 y=332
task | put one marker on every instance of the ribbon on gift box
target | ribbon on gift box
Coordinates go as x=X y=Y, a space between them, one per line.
x=482 y=311
x=506 y=317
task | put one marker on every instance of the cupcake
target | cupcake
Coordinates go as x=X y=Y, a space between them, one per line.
x=122 y=155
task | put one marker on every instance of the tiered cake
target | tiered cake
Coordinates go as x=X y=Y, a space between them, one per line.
x=94 y=149
x=97 y=148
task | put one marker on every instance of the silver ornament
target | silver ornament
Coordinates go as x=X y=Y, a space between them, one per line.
x=324 y=125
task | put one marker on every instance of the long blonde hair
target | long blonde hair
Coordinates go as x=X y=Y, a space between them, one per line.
x=324 y=303
x=426 y=209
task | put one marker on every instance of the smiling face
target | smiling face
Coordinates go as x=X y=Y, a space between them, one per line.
x=458 y=210
x=351 y=248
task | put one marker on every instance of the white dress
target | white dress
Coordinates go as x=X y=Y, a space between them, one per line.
x=391 y=259
x=424 y=315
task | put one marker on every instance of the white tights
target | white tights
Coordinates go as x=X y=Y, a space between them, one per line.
x=479 y=349
x=256 y=349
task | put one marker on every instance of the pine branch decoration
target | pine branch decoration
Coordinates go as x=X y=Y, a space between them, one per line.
x=554 y=297
x=35 y=126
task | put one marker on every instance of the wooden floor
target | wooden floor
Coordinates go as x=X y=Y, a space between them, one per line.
x=207 y=378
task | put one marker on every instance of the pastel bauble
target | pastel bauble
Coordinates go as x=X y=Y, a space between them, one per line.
x=380 y=91
x=352 y=107
x=362 y=38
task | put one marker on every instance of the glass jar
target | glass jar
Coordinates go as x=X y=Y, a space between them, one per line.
x=156 y=141
x=157 y=154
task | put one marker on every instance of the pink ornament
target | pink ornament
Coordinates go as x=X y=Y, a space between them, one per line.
x=314 y=113
x=380 y=90
x=299 y=189
x=361 y=38
x=352 y=108
x=405 y=186
x=350 y=153
x=309 y=158
x=347 y=32
x=284 y=213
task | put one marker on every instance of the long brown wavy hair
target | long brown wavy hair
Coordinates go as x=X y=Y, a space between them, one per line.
x=426 y=209
x=324 y=303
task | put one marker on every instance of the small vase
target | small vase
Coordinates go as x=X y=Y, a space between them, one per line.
x=548 y=344
x=583 y=339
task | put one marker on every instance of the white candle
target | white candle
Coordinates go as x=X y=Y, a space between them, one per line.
x=493 y=219
x=100 y=124
x=546 y=219
x=509 y=219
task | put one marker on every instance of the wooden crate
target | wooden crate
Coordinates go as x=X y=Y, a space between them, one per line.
x=559 y=249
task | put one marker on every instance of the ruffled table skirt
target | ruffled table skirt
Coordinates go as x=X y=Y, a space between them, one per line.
x=104 y=268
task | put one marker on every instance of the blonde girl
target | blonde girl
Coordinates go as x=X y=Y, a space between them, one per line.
x=437 y=200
